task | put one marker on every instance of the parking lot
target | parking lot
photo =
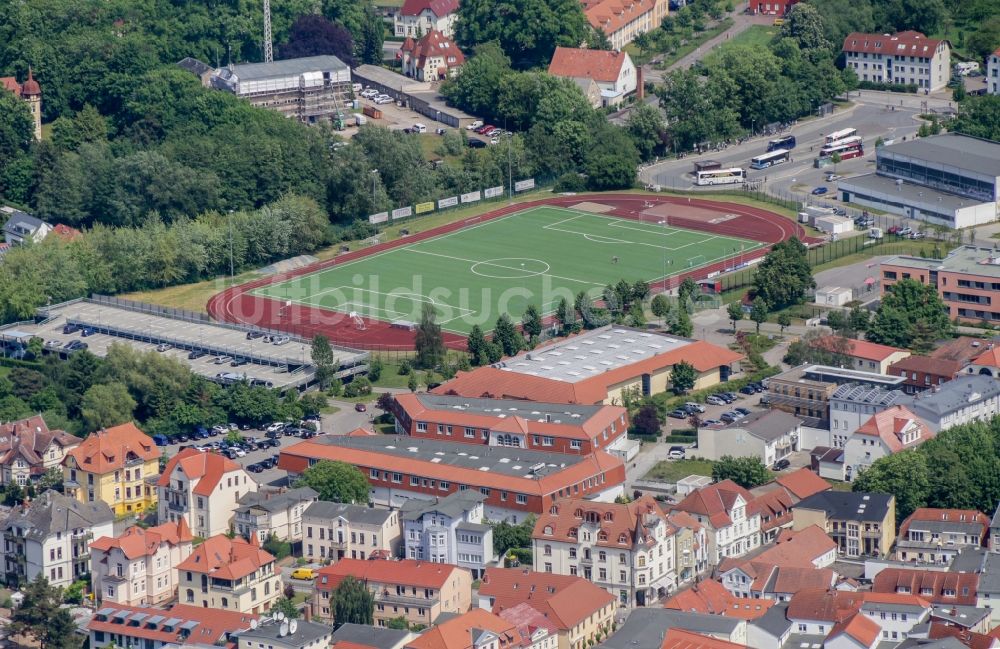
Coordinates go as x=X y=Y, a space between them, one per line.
x=714 y=412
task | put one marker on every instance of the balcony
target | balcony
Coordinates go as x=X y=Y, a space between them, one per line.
x=177 y=506
x=387 y=597
x=587 y=560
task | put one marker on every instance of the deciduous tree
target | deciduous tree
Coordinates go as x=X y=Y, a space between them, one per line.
x=682 y=377
x=748 y=472
x=336 y=482
x=428 y=341
x=353 y=603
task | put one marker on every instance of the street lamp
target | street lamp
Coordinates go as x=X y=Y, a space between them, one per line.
x=374 y=173
x=232 y=274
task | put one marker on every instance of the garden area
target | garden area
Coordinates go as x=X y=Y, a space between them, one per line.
x=671 y=471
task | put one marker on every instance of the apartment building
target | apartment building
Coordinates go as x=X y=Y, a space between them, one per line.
x=419 y=17
x=579 y=611
x=119 y=625
x=550 y=427
x=806 y=391
x=623 y=20
x=273 y=512
x=28 y=449
x=862 y=524
x=139 y=567
x=890 y=431
x=627 y=549
x=449 y=530
x=283 y=634
x=935 y=586
x=418 y=591
x=931 y=535
x=204 y=489
x=904 y=58
x=853 y=404
x=711 y=598
x=797 y=560
x=690 y=546
x=335 y=531
x=516 y=482
x=962 y=401
x=730 y=516
x=433 y=57
x=993 y=73
x=770 y=436
x=51 y=537
x=967 y=279
x=112 y=466
x=863 y=355
x=613 y=72
x=476 y=629
x=230 y=575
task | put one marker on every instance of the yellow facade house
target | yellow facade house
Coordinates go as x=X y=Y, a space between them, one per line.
x=112 y=465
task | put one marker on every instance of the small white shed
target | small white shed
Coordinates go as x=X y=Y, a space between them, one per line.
x=834 y=224
x=833 y=296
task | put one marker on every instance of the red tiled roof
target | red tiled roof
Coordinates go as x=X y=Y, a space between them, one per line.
x=563 y=599
x=30 y=440
x=908 y=43
x=823 y=605
x=947 y=516
x=439 y=8
x=860 y=348
x=65 y=232
x=716 y=501
x=680 y=639
x=989 y=358
x=890 y=423
x=207 y=468
x=891 y=580
x=10 y=84
x=802 y=548
x=612 y=15
x=225 y=558
x=409 y=572
x=858 y=627
x=456 y=633
x=927 y=365
x=498 y=383
x=617 y=521
x=898 y=599
x=775 y=509
x=137 y=542
x=712 y=598
x=576 y=63
x=213 y=624
x=434 y=43
x=107 y=450
x=802 y=483
x=970 y=639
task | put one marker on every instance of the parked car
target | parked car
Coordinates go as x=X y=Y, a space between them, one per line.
x=195 y=354
x=746 y=389
x=280 y=340
x=240 y=452
x=905 y=231
x=678 y=414
x=782 y=464
x=742 y=411
x=255 y=468
x=732 y=396
x=711 y=422
x=676 y=453
x=360 y=407
x=182 y=438
x=75 y=346
x=476 y=144
x=369 y=93
x=70 y=328
x=691 y=406
x=164 y=347
x=276 y=427
x=87 y=331
x=832 y=177
x=917 y=235
x=303 y=573
x=714 y=400
x=819 y=191
x=201 y=434
x=53 y=344
x=222 y=360
x=383 y=99
x=729 y=417
x=473 y=126
x=254 y=335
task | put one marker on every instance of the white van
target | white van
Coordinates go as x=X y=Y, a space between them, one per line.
x=419 y=128
x=965 y=68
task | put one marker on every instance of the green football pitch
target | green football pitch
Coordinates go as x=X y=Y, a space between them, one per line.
x=535 y=256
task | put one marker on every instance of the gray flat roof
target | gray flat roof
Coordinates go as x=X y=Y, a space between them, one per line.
x=906 y=192
x=917 y=263
x=510 y=407
x=972 y=260
x=872 y=394
x=514 y=462
x=389 y=79
x=961 y=151
x=843 y=374
x=645 y=627
x=592 y=353
x=953 y=395
x=371 y=636
x=767 y=425
x=436 y=101
x=304 y=635
x=288 y=67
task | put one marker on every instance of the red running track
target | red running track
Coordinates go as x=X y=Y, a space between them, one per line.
x=237 y=305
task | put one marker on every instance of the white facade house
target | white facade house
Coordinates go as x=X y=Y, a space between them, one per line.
x=335 y=531
x=853 y=404
x=266 y=512
x=204 y=488
x=138 y=568
x=993 y=73
x=771 y=436
x=896 y=614
x=51 y=537
x=890 y=431
x=730 y=517
x=961 y=401
x=419 y=17
x=449 y=530
x=905 y=58
x=613 y=71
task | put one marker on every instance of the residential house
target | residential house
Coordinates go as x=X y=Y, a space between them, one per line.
x=449 y=530
x=680 y=639
x=805 y=391
x=21 y=227
x=925 y=372
x=112 y=466
x=986 y=586
x=971 y=398
x=773 y=7
x=139 y=567
x=476 y=629
x=627 y=549
x=418 y=591
x=994 y=538
x=797 y=560
x=771 y=435
x=573 y=429
x=534 y=630
x=28 y=449
x=969 y=618
x=198 y=68
x=993 y=73
x=772 y=629
x=801 y=483
x=690 y=546
x=863 y=355
x=648 y=627
x=51 y=537
x=816 y=611
x=203 y=488
x=419 y=17
x=775 y=508
x=853 y=404
x=432 y=57
x=855 y=632
x=623 y=20
x=937 y=587
x=283 y=634
x=907 y=57
x=889 y=431
x=730 y=516
x=119 y=625
x=231 y=575
x=335 y=531
x=30 y=92
x=936 y=535
x=363 y=636
x=273 y=512
x=577 y=610
x=515 y=481
x=862 y=524
x=896 y=615
x=613 y=71
x=712 y=598
x=986 y=363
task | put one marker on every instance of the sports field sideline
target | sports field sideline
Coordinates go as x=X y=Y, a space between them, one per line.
x=534 y=256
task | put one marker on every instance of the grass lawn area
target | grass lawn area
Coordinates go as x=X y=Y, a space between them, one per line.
x=755 y=35
x=837 y=485
x=429 y=142
x=300 y=598
x=900 y=247
x=329 y=410
x=695 y=43
x=668 y=471
x=191 y=297
x=536 y=257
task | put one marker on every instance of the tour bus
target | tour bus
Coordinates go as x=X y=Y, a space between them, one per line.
x=721 y=176
x=836 y=136
x=769 y=159
x=851 y=147
x=787 y=142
